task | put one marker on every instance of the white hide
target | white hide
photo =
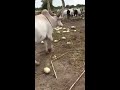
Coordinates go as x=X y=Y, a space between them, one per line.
x=64 y=14
x=42 y=28
x=71 y=11
x=79 y=11
x=44 y=24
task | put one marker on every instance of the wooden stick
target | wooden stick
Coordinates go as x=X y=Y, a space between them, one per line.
x=54 y=70
x=77 y=80
x=60 y=56
x=72 y=79
x=63 y=55
x=56 y=59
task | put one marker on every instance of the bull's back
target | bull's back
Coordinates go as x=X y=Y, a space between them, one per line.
x=42 y=28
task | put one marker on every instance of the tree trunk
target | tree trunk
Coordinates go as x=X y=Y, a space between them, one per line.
x=63 y=4
x=48 y=5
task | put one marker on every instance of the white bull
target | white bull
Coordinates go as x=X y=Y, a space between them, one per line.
x=64 y=13
x=44 y=24
x=79 y=11
x=71 y=12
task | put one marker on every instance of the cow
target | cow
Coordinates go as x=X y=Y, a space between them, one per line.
x=75 y=12
x=64 y=14
x=79 y=11
x=44 y=24
x=71 y=12
x=68 y=13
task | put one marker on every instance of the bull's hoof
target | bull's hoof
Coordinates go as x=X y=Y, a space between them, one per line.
x=49 y=50
x=37 y=63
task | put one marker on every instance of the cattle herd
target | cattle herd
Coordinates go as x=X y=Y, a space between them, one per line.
x=74 y=12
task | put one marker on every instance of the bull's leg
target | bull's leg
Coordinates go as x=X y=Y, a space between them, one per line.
x=74 y=14
x=46 y=46
x=36 y=62
x=50 y=45
x=50 y=48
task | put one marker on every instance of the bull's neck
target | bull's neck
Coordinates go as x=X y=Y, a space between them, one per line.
x=52 y=21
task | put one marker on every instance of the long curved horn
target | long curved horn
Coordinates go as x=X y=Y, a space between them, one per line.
x=63 y=7
x=49 y=8
x=51 y=13
x=60 y=12
x=63 y=4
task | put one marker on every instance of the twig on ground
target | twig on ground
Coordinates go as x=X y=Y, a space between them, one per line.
x=57 y=59
x=80 y=67
x=63 y=55
x=77 y=80
x=54 y=70
x=60 y=56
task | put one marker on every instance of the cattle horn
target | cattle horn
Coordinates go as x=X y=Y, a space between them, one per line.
x=51 y=13
x=59 y=13
x=63 y=6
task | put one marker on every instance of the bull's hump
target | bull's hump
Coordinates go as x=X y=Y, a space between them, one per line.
x=40 y=17
x=45 y=12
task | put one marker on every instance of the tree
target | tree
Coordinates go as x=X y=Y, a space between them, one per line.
x=72 y=6
x=67 y=6
x=48 y=5
x=44 y=5
x=78 y=5
x=63 y=3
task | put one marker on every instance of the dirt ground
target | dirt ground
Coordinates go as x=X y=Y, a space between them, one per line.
x=68 y=67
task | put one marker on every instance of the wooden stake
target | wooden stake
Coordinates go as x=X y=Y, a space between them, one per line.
x=77 y=80
x=60 y=56
x=54 y=70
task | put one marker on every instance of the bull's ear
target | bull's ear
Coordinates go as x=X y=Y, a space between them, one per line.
x=60 y=18
x=51 y=13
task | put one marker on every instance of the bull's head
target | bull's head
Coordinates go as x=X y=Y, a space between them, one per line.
x=57 y=17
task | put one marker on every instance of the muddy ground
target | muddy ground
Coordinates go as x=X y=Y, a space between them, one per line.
x=68 y=67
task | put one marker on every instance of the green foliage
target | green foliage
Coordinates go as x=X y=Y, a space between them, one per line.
x=67 y=6
x=37 y=9
x=44 y=6
x=72 y=6
x=77 y=6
